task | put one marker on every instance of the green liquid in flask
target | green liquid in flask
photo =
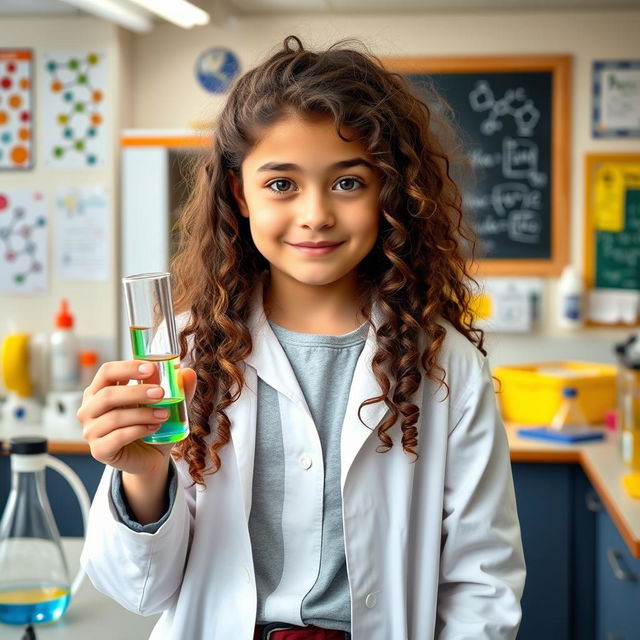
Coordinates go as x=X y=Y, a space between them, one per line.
x=176 y=426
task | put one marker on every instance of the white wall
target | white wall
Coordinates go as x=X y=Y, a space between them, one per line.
x=168 y=96
x=92 y=303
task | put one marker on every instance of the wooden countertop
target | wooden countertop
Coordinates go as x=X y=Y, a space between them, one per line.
x=599 y=460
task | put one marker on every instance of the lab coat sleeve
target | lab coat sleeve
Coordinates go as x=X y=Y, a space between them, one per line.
x=482 y=568
x=141 y=571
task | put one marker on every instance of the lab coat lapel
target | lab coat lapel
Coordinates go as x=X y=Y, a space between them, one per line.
x=364 y=386
x=243 y=416
x=269 y=362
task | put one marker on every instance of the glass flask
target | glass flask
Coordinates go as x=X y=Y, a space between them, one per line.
x=569 y=415
x=34 y=577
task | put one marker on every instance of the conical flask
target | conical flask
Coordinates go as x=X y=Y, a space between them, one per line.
x=34 y=578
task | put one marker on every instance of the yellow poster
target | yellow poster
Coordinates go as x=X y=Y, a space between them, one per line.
x=611 y=181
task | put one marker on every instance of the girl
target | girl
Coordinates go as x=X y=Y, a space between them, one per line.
x=346 y=471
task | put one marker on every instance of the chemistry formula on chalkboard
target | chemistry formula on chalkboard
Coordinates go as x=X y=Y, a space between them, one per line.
x=504 y=120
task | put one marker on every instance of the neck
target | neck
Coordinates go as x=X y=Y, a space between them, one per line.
x=331 y=309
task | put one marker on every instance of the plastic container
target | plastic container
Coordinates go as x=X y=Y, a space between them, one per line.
x=531 y=394
x=88 y=367
x=64 y=353
x=570 y=299
x=569 y=415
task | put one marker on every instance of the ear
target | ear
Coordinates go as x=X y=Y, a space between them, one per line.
x=236 y=190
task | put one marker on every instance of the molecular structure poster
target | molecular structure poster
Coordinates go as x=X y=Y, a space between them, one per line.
x=73 y=95
x=23 y=242
x=15 y=109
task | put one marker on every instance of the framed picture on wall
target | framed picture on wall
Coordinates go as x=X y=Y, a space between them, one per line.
x=616 y=99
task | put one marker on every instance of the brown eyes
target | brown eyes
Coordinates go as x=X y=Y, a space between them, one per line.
x=283 y=186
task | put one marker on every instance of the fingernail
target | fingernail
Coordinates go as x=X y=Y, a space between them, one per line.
x=153 y=427
x=160 y=413
x=155 y=392
x=146 y=369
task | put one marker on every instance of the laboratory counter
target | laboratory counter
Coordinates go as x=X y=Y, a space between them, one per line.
x=600 y=462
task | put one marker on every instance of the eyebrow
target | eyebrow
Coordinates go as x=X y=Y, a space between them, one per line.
x=288 y=166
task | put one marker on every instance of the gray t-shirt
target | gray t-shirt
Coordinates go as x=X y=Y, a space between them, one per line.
x=324 y=367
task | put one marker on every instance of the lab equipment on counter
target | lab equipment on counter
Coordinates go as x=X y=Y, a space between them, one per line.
x=569 y=424
x=64 y=353
x=154 y=338
x=570 y=299
x=629 y=401
x=531 y=394
x=88 y=367
x=22 y=365
x=34 y=578
x=569 y=415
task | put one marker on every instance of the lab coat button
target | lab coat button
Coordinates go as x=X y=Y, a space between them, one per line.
x=305 y=461
x=248 y=575
x=370 y=601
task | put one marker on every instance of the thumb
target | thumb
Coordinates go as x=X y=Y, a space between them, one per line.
x=189 y=380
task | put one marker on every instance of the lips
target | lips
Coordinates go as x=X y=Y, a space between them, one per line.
x=315 y=249
x=315 y=245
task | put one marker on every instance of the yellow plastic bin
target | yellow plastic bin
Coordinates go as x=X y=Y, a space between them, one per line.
x=531 y=393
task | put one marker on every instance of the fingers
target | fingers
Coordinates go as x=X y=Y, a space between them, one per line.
x=109 y=448
x=109 y=398
x=119 y=419
x=121 y=372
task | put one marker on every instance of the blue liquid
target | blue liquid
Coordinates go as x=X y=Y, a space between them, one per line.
x=33 y=606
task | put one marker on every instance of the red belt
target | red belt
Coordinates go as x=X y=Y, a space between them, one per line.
x=283 y=631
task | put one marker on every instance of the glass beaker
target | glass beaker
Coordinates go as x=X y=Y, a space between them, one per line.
x=154 y=338
x=630 y=415
x=34 y=579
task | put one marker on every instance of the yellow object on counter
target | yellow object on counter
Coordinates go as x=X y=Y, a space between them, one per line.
x=631 y=483
x=531 y=394
x=14 y=363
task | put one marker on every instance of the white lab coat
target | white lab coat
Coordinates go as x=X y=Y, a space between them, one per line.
x=433 y=547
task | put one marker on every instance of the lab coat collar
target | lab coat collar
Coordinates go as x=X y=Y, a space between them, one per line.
x=269 y=362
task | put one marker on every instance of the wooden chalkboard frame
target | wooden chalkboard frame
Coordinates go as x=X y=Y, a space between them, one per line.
x=560 y=68
x=591 y=161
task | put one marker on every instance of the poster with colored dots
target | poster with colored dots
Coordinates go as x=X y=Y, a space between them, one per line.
x=16 y=139
x=74 y=105
x=23 y=241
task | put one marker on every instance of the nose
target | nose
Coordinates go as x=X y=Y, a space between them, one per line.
x=316 y=211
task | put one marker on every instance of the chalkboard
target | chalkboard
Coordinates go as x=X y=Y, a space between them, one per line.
x=511 y=114
x=612 y=224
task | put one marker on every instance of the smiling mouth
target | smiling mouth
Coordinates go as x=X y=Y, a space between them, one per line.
x=317 y=249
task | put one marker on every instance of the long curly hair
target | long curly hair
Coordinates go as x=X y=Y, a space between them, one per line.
x=418 y=272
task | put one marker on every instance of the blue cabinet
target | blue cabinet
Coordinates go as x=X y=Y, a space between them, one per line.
x=64 y=503
x=618 y=585
x=558 y=533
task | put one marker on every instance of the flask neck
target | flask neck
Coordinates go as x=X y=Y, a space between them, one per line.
x=28 y=513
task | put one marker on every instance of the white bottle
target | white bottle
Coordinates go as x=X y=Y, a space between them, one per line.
x=64 y=353
x=570 y=299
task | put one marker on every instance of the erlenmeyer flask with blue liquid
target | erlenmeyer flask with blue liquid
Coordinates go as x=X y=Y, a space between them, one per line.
x=34 y=579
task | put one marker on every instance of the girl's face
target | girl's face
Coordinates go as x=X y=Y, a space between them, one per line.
x=312 y=201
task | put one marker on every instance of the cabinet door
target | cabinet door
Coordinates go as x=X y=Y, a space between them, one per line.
x=544 y=493
x=618 y=585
